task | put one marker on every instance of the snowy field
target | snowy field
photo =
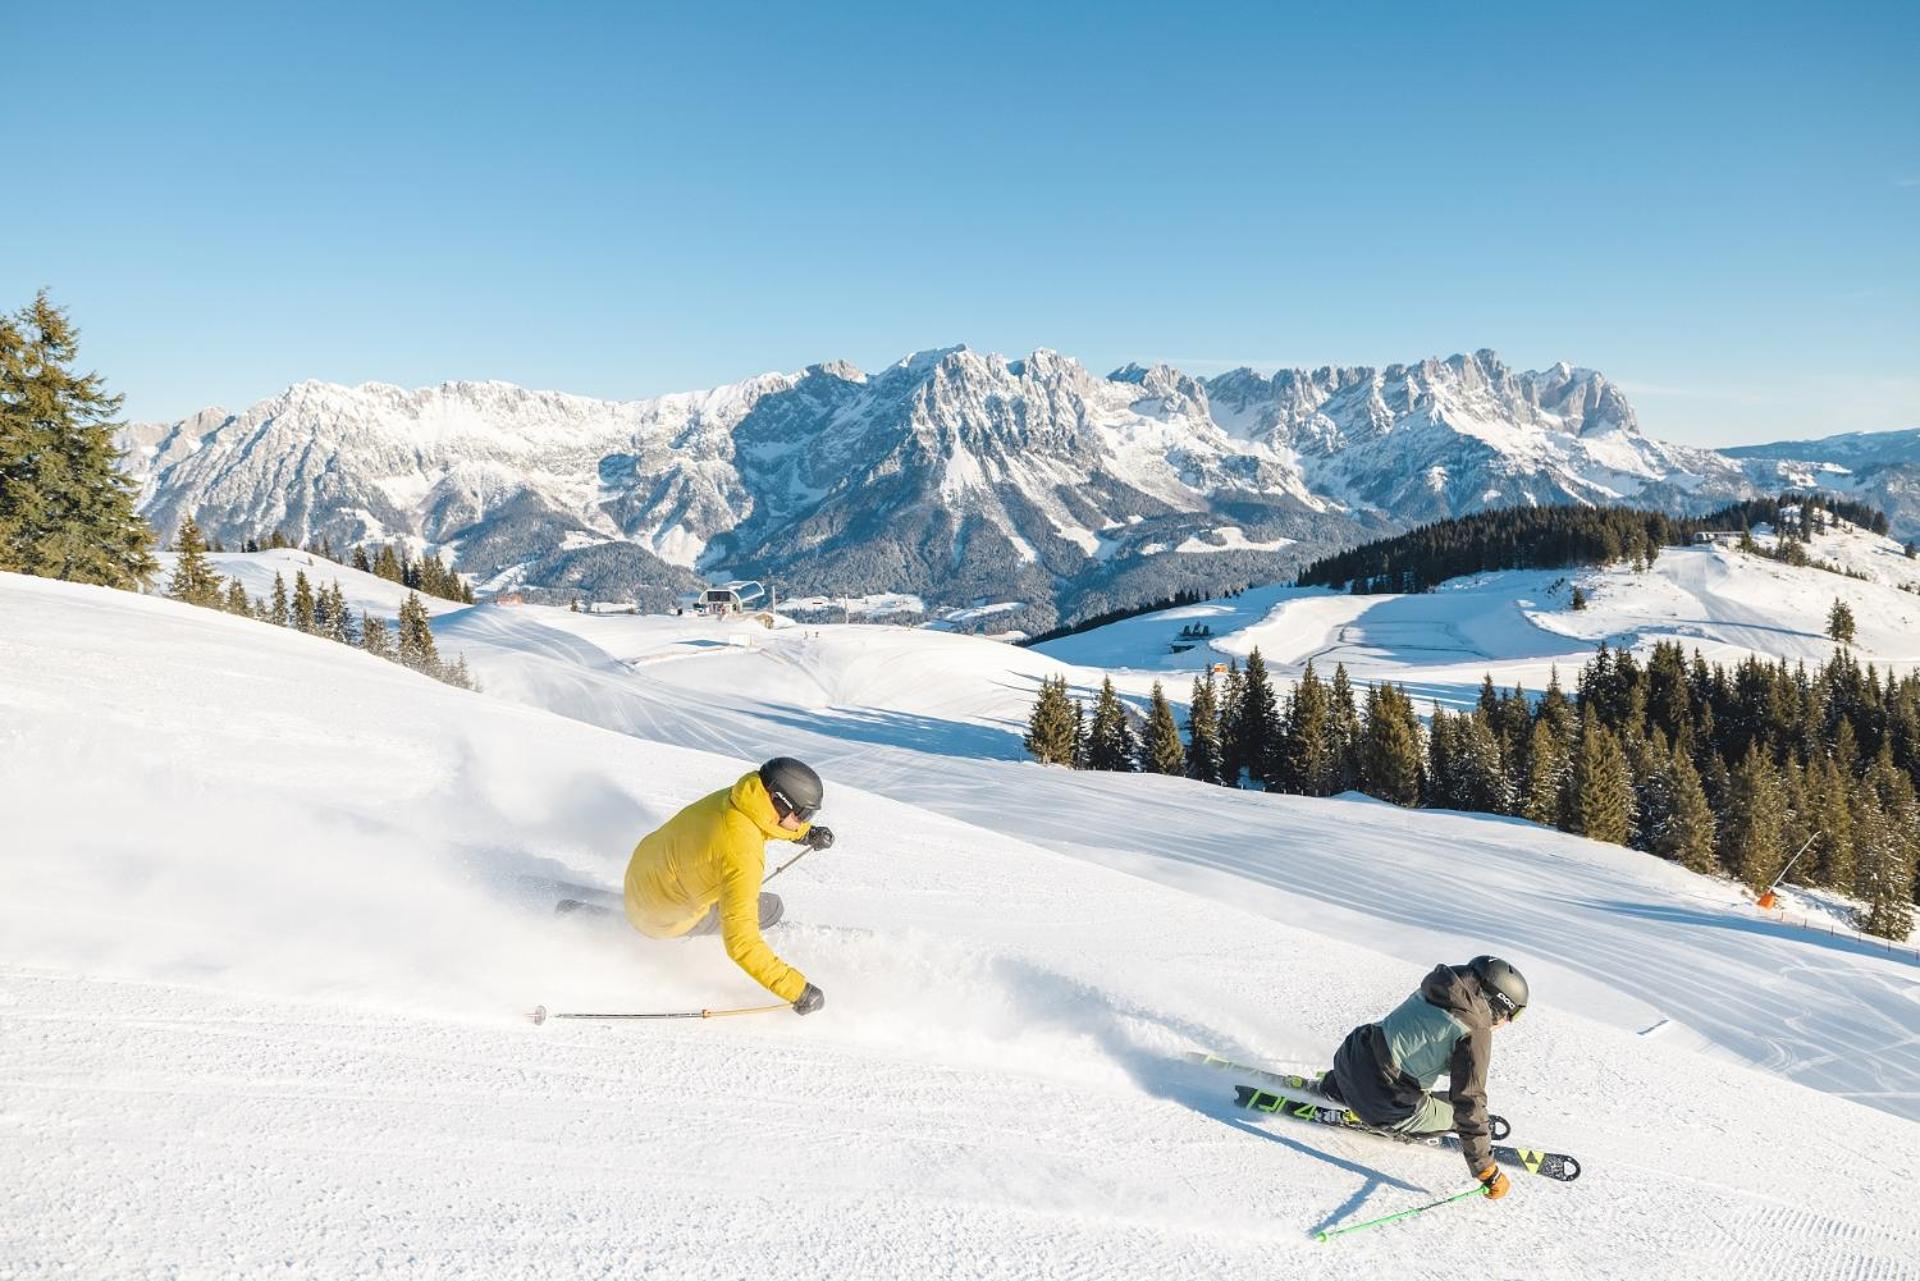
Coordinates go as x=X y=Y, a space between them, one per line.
x=1520 y=625
x=270 y=912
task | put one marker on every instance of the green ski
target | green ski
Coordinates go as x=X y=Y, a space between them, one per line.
x=1550 y=1165
x=1305 y=1084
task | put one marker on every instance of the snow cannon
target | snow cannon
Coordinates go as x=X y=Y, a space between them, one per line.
x=539 y=1015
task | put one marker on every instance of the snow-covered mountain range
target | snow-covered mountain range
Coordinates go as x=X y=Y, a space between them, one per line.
x=1881 y=468
x=961 y=476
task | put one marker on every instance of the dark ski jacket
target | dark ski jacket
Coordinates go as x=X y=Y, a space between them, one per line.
x=1385 y=1069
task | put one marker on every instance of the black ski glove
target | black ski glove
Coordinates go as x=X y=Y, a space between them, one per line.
x=818 y=838
x=810 y=1000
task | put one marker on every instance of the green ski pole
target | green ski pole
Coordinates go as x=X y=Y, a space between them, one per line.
x=1476 y=1190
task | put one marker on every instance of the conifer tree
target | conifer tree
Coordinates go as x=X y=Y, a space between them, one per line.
x=237 y=602
x=1259 y=724
x=360 y=561
x=1601 y=785
x=1343 y=732
x=66 y=507
x=339 y=615
x=1160 y=750
x=1829 y=795
x=1304 y=762
x=374 y=636
x=1439 y=789
x=1650 y=760
x=1050 y=729
x=1796 y=828
x=1690 y=834
x=1232 y=712
x=1110 y=742
x=1885 y=848
x=457 y=675
x=1716 y=780
x=1557 y=711
x=1846 y=747
x=1840 y=622
x=1668 y=708
x=1515 y=719
x=1754 y=821
x=1594 y=688
x=304 y=612
x=416 y=648
x=1079 y=735
x=1390 y=747
x=1547 y=770
x=1203 y=732
x=1514 y=730
x=322 y=612
x=386 y=564
x=193 y=578
x=436 y=579
x=279 y=611
x=1480 y=779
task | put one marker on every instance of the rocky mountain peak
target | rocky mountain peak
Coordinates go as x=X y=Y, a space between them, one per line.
x=953 y=473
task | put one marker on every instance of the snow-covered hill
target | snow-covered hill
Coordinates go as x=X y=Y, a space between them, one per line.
x=1519 y=626
x=962 y=477
x=265 y=932
x=364 y=592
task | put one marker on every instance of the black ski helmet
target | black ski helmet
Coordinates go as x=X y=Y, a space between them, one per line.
x=794 y=787
x=1505 y=988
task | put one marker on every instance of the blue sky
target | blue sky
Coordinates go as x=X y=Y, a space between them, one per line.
x=1718 y=206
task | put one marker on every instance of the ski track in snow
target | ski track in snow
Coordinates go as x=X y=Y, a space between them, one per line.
x=261 y=993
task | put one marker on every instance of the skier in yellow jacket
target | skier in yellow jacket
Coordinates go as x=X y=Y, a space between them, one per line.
x=700 y=872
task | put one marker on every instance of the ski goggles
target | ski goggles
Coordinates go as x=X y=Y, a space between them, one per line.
x=1503 y=1006
x=783 y=807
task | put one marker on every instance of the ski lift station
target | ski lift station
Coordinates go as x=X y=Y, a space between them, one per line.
x=729 y=599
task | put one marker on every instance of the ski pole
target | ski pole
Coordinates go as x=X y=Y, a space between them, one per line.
x=1476 y=1190
x=541 y=1014
x=789 y=863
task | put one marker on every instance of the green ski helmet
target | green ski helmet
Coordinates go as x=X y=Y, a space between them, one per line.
x=794 y=787
x=1504 y=986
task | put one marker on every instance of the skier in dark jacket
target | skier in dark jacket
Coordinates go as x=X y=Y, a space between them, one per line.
x=1385 y=1072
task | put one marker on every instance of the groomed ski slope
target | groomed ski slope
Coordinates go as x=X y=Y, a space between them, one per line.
x=912 y=715
x=264 y=938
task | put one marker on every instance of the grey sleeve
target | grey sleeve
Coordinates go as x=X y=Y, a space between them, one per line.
x=1467 y=1087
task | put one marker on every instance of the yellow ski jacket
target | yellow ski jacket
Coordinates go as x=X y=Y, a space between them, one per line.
x=714 y=851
